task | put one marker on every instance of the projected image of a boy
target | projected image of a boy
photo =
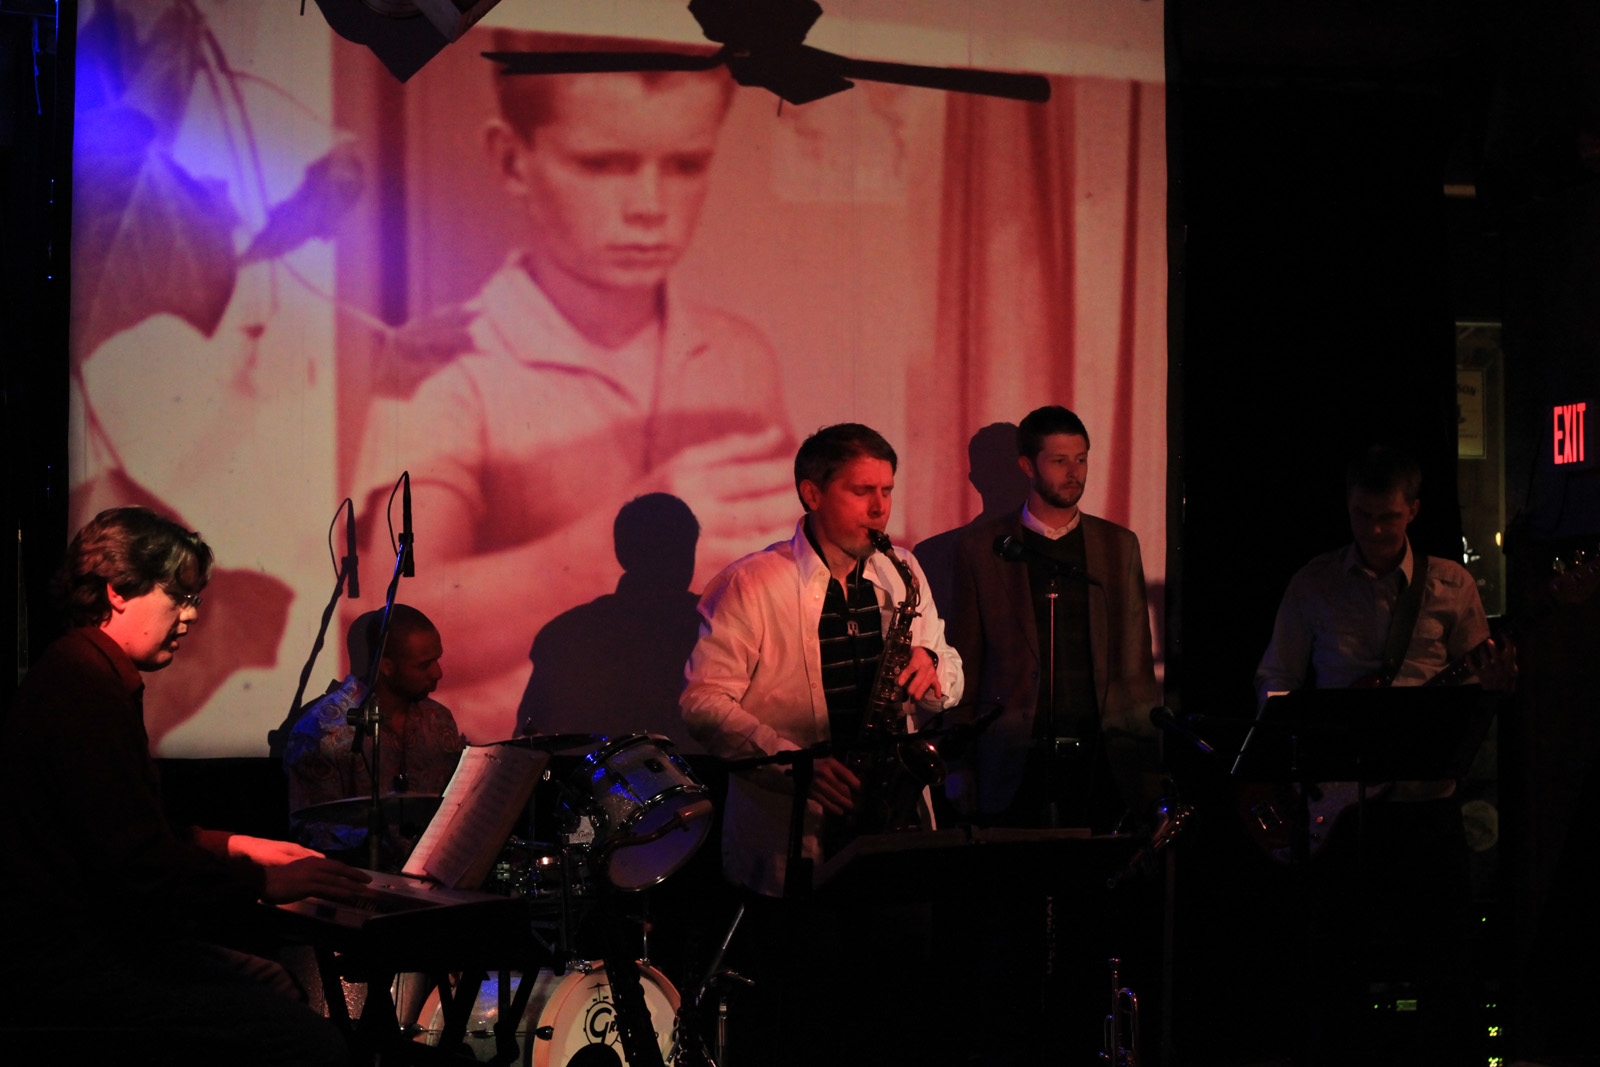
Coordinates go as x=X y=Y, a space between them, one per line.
x=587 y=382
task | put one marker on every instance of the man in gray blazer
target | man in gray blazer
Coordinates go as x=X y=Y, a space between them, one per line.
x=1051 y=622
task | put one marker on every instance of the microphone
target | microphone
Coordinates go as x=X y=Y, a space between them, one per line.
x=1012 y=550
x=352 y=562
x=408 y=559
x=1164 y=719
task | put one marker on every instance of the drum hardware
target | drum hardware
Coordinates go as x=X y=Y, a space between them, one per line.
x=724 y=982
x=552 y=879
x=1121 y=1024
x=690 y=1037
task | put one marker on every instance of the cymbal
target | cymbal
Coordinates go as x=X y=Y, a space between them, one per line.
x=353 y=811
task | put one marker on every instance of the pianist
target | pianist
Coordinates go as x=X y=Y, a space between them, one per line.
x=420 y=746
x=108 y=905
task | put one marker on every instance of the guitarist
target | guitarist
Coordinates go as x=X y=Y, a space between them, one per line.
x=1378 y=612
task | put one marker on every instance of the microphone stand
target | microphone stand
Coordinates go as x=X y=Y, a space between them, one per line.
x=1015 y=550
x=278 y=740
x=369 y=716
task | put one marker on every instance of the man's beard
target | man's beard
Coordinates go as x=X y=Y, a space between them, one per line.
x=412 y=695
x=1060 y=500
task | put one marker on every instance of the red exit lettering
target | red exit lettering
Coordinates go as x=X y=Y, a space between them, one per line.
x=1568 y=426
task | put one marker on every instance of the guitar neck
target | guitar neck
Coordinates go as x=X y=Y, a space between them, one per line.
x=1573 y=583
x=1458 y=670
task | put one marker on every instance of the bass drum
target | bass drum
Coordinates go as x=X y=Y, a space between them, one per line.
x=570 y=1020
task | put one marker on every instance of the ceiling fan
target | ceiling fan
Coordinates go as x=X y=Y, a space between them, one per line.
x=763 y=46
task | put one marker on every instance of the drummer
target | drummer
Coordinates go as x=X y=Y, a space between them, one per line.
x=419 y=747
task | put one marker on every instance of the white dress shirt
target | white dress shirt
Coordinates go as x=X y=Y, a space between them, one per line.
x=755 y=688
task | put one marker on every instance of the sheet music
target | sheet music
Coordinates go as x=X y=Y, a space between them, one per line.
x=490 y=789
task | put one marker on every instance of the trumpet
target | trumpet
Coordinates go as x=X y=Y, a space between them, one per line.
x=1122 y=1024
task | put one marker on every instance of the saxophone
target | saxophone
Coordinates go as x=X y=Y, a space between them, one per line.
x=893 y=776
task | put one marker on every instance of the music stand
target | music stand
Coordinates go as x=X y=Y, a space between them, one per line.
x=1364 y=735
x=970 y=863
x=1373 y=735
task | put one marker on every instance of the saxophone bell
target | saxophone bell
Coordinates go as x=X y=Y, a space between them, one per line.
x=922 y=762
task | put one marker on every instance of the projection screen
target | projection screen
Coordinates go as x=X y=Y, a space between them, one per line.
x=295 y=277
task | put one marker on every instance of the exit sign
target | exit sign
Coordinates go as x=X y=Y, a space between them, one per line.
x=1569 y=434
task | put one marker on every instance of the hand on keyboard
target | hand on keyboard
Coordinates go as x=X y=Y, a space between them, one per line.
x=314 y=877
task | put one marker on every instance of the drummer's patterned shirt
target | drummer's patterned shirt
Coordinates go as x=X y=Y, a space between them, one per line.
x=419 y=754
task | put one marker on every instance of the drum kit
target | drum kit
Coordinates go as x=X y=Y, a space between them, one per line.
x=628 y=814
x=620 y=815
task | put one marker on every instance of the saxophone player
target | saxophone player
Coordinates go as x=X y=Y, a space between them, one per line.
x=790 y=643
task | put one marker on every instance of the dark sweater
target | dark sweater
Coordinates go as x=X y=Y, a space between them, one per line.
x=93 y=865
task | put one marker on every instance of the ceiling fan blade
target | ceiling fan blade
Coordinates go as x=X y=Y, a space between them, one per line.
x=599 y=62
x=793 y=74
x=1033 y=87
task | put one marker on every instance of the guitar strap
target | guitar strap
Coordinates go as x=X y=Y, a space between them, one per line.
x=1404 y=620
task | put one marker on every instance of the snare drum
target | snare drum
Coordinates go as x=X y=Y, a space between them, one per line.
x=648 y=810
x=565 y=1015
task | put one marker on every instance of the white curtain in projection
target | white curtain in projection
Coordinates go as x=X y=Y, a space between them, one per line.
x=592 y=323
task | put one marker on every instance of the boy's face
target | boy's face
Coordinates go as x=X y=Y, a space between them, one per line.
x=613 y=183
